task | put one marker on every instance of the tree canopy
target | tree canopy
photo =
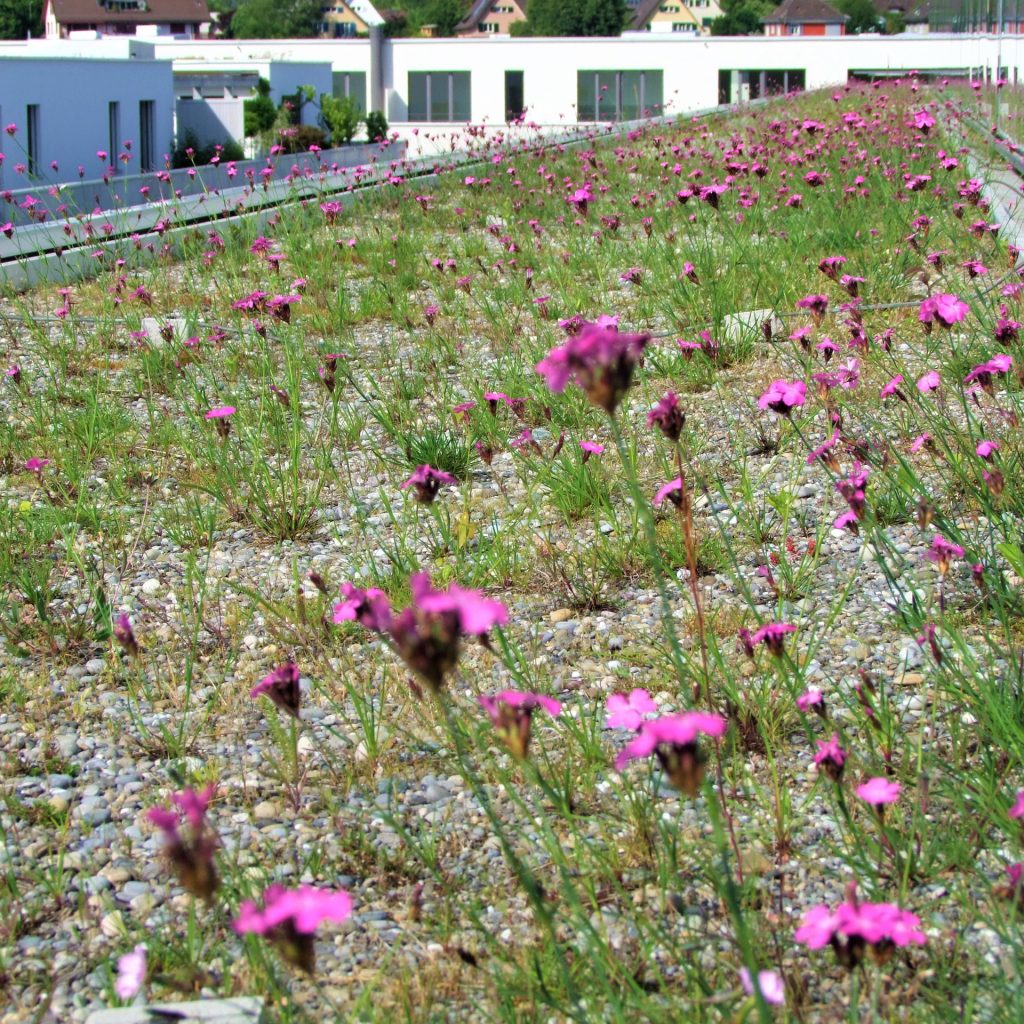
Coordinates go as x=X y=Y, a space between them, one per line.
x=20 y=17
x=741 y=17
x=580 y=18
x=861 y=16
x=272 y=19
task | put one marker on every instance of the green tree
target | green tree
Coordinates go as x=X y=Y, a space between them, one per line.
x=20 y=17
x=861 y=16
x=272 y=19
x=742 y=18
x=579 y=18
x=259 y=113
x=445 y=15
x=341 y=116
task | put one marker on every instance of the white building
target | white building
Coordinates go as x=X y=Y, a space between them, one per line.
x=429 y=89
x=69 y=102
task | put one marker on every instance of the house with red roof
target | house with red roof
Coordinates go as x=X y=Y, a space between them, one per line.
x=804 y=18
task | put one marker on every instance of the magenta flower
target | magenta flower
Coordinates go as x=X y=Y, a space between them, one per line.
x=36 y=465
x=290 y=917
x=831 y=758
x=191 y=856
x=511 y=714
x=673 y=490
x=769 y=984
x=942 y=553
x=1017 y=810
x=771 y=635
x=817 y=304
x=427 y=634
x=627 y=711
x=879 y=791
x=854 y=927
x=943 y=309
x=929 y=382
x=125 y=635
x=921 y=441
x=893 y=388
x=370 y=608
x=783 y=396
x=673 y=739
x=667 y=416
x=812 y=699
x=826 y=453
x=599 y=359
x=591 y=448
x=221 y=417
x=131 y=973
x=427 y=481
x=982 y=374
x=282 y=687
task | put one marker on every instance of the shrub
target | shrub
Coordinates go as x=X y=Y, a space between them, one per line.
x=203 y=153
x=341 y=117
x=301 y=137
x=376 y=126
x=259 y=113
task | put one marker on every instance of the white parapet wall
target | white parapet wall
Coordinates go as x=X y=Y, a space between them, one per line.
x=431 y=89
x=691 y=69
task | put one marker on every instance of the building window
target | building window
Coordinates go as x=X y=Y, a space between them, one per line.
x=32 y=140
x=488 y=26
x=514 y=105
x=439 y=96
x=146 y=133
x=113 y=132
x=617 y=95
x=683 y=26
x=351 y=84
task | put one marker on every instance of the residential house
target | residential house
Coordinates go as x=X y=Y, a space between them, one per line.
x=804 y=18
x=347 y=19
x=491 y=18
x=188 y=19
x=693 y=16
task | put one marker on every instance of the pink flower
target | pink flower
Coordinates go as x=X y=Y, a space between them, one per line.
x=983 y=373
x=667 y=416
x=811 y=698
x=879 y=791
x=783 y=396
x=943 y=309
x=942 y=552
x=893 y=387
x=626 y=711
x=282 y=687
x=131 y=973
x=511 y=714
x=290 y=917
x=599 y=359
x=370 y=608
x=305 y=908
x=769 y=984
x=673 y=490
x=929 y=382
x=818 y=927
x=221 y=412
x=36 y=465
x=919 y=442
x=1017 y=810
x=191 y=857
x=855 y=925
x=592 y=447
x=427 y=481
x=771 y=635
x=673 y=740
x=830 y=757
